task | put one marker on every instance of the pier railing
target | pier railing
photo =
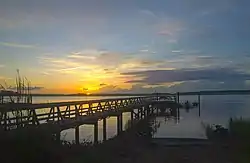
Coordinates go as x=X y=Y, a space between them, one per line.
x=18 y=115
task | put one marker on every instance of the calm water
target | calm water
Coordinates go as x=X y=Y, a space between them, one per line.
x=49 y=99
x=214 y=110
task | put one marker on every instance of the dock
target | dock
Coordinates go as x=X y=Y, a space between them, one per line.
x=64 y=115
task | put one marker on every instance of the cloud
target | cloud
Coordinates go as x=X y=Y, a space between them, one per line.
x=172 y=41
x=85 y=89
x=96 y=62
x=30 y=88
x=147 y=13
x=177 y=51
x=137 y=88
x=79 y=56
x=1 y=66
x=144 y=50
x=170 y=28
x=205 y=59
x=2 y=78
x=140 y=64
x=16 y=45
x=103 y=84
x=45 y=73
x=179 y=75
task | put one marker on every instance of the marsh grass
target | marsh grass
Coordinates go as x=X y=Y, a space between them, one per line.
x=240 y=129
x=237 y=137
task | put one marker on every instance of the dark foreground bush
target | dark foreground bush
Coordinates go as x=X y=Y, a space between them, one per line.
x=237 y=137
x=29 y=145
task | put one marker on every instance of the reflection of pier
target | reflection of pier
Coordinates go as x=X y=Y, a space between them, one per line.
x=170 y=109
x=64 y=115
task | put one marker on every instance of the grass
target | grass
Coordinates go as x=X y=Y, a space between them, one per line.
x=240 y=128
x=237 y=137
x=240 y=137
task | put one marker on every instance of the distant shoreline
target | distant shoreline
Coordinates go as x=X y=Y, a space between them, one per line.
x=91 y=94
x=208 y=92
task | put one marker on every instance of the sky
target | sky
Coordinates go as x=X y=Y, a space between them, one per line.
x=125 y=46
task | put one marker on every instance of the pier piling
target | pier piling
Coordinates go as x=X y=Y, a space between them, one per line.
x=96 y=132
x=199 y=101
x=77 y=135
x=119 y=124
x=104 y=129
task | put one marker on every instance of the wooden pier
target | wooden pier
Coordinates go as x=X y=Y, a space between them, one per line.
x=65 y=115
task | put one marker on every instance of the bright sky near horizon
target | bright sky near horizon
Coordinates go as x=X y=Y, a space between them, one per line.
x=97 y=46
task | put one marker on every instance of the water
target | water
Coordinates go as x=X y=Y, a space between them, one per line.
x=188 y=126
x=87 y=131
x=50 y=99
x=214 y=110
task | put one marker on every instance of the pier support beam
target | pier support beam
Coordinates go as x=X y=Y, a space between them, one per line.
x=132 y=117
x=144 y=112
x=199 y=101
x=141 y=117
x=178 y=97
x=148 y=110
x=119 y=124
x=77 y=135
x=96 y=132
x=104 y=129
x=140 y=113
x=178 y=114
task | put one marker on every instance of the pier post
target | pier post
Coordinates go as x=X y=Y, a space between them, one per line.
x=178 y=114
x=119 y=124
x=145 y=111
x=141 y=111
x=178 y=108
x=199 y=101
x=104 y=129
x=148 y=111
x=132 y=117
x=5 y=121
x=77 y=135
x=96 y=132
x=178 y=97
x=76 y=112
x=1 y=99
